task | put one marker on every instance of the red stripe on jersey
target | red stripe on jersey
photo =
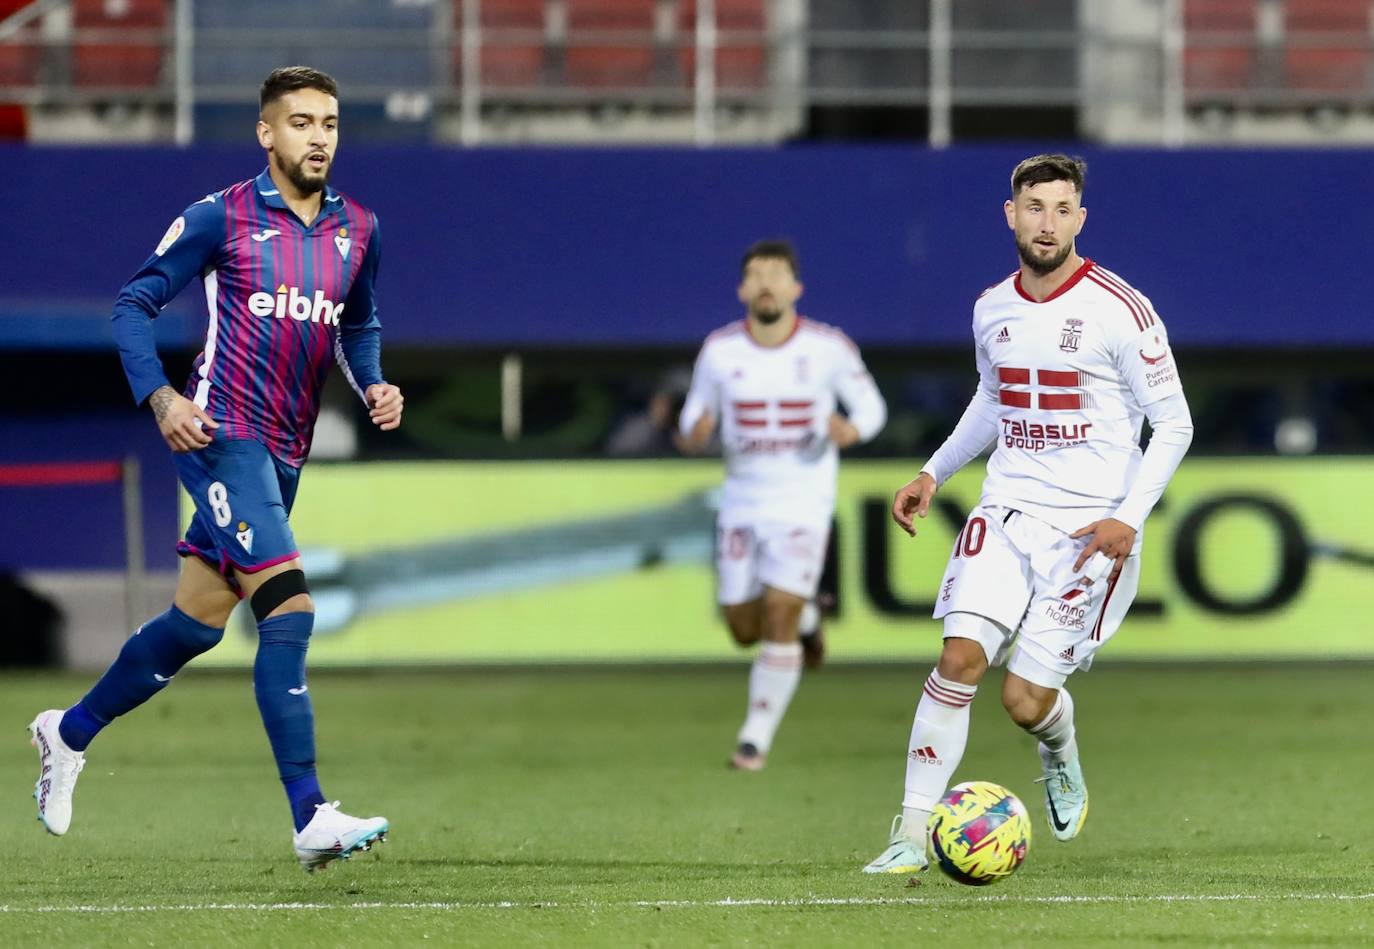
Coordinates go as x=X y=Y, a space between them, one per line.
x=751 y=422
x=1135 y=313
x=1131 y=292
x=1057 y=377
x=795 y=405
x=825 y=329
x=1055 y=401
x=795 y=422
x=1020 y=400
x=746 y=406
x=1013 y=377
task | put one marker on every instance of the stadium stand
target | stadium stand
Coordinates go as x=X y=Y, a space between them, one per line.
x=742 y=57
x=1219 y=58
x=120 y=44
x=1328 y=47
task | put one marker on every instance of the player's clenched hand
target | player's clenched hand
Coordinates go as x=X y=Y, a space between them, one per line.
x=913 y=500
x=182 y=423
x=842 y=431
x=1110 y=537
x=700 y=434
x=385 y=401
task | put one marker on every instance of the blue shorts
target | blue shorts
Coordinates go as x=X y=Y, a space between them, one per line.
x=243 y=495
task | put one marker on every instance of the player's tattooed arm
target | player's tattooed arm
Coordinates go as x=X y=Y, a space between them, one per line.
x=183 y=423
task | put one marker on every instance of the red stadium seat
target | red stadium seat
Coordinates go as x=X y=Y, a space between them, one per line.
x=737 y=65
x=1213 y=69
x=129 y=65
x=18 y=57
x=625 y=64
x=1341 y=66
x=505 y=64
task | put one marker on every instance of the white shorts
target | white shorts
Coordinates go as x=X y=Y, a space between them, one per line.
x=752 y=554
x=1017 y=571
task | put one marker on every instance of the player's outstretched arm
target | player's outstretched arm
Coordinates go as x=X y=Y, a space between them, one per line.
x=385 y=403
x=913 y=500
x=183 y=423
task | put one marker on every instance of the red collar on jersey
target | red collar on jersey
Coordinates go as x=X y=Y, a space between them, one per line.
x=1064 y=287
x=749 y=332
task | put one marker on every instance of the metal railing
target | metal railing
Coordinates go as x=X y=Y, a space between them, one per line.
x=436 y=68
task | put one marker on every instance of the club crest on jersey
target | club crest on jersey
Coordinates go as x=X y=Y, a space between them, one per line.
x=244 y=536
x=343 y=242
x=1070 y=335
x=289 y=301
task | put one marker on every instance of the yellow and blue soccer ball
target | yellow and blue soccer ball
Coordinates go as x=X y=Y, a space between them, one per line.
x=979 y=833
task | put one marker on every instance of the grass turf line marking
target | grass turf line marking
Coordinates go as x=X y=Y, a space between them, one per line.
x=689 y=904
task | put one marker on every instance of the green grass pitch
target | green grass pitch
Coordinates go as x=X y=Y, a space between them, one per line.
x=1230 y=806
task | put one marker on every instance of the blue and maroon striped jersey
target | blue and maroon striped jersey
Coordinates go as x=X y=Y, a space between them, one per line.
x=284 y=300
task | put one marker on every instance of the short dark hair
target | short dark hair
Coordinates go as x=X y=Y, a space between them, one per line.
x=290 y=78
x=1039 y=169
x=774 y=249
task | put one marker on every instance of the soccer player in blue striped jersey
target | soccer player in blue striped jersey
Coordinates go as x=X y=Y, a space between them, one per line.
x=288 y=266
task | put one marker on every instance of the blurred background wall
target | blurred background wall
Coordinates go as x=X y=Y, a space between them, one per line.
x=565 y=187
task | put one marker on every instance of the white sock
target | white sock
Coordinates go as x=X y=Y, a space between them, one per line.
x=772 y=683
x=1056 y=732
x=810 y=618
x=938 y=737
x=914 y=823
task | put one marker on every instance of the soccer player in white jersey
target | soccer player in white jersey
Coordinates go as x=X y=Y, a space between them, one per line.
x=1070 y=359
x=770 y=383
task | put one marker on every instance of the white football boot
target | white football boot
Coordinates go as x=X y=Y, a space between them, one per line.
x=1066 y=796
x=903 y=855
x=334 y=835
x=58 y=767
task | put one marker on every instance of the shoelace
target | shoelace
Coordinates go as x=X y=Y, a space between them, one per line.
x=71 y=767
x=897 y=825
x=1065 y=785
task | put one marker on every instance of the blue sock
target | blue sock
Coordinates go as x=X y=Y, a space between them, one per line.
x=151 y=656
x=279 y=683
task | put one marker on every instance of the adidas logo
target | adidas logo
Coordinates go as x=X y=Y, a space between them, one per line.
x=926 y=755
x=1003 y=337
x=1067 y=654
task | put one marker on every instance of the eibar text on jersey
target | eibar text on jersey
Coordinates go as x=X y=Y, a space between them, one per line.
x=289 y=301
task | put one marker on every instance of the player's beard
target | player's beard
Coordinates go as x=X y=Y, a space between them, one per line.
x=306 y=182
x=766 y=313
x=1041 y=265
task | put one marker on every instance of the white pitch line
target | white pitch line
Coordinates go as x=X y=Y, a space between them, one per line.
x=690 y=904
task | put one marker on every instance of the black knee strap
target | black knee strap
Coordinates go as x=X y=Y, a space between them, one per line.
x=277 y=590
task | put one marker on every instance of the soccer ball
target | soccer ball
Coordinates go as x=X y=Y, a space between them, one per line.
x=979 y=833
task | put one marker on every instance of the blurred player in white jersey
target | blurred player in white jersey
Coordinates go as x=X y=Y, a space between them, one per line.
x=770 y=384
x=1070 y=360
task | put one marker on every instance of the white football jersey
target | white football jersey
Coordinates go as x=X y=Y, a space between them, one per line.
x=773 y=405
x=1069 y=376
